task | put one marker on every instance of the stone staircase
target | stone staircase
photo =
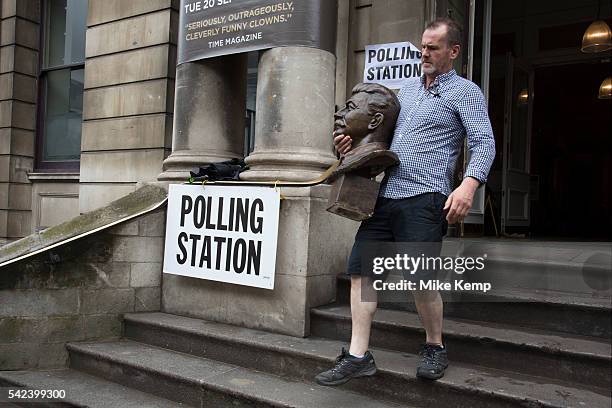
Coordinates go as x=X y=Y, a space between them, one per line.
x=528 y=348
x=168 y=360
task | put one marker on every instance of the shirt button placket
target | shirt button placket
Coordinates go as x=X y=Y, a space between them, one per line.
x=416 y=104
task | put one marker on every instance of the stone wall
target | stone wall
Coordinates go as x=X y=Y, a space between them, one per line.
x=379 y=22
x=19 y=37
x=79 y=291
x=55 y=198
x=129 y=96
x=127 y=110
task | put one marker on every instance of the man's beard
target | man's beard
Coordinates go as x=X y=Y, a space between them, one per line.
x=430 y=69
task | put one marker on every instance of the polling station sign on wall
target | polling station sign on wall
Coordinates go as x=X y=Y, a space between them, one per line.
x=391 y=64
x=222 y=233
x=210 y=28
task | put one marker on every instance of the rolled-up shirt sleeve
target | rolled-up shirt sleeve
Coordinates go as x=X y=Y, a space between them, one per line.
x=473 y=112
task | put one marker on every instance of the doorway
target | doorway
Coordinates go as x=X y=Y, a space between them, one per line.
x=571 y=153
x=551 y=176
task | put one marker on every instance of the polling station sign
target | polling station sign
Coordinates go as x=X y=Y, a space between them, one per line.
x=222 y=233
x=211 y=28
x=391 y=64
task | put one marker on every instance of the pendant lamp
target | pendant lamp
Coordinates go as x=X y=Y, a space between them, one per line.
x=598 y=37
x=605 y=90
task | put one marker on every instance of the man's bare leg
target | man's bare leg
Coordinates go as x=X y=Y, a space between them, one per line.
x=361 y=363
x=434 y=357
x=362 y=314
x=430 y=308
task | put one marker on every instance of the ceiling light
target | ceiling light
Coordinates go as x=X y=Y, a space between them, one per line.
x=605 y=90
x=597 y=38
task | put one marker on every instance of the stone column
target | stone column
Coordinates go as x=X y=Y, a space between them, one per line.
x=295 y=106
x=209 y=112
x=19 y=44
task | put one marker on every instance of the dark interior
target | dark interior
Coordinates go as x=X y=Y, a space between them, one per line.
x=571 y=142
x=571 y=152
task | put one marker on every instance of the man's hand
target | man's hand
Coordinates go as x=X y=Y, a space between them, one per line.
x=342 y=143
x=459 y=201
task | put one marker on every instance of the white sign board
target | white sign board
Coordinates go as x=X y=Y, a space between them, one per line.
x=222 y=233
x=391 y=64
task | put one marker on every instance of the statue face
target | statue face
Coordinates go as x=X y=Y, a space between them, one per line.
x=353 y=119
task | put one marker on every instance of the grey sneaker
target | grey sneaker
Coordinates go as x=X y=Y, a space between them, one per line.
x=434 y=362
x=347 y=367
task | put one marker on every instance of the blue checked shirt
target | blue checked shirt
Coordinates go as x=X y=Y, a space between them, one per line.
x=429 y=135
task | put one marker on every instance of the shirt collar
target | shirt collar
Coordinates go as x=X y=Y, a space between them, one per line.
x=440 y=79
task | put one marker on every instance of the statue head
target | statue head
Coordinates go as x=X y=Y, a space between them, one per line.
x=369 y=115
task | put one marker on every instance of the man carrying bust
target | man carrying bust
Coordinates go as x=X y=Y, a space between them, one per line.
x=416 y=199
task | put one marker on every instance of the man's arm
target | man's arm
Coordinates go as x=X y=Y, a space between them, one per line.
x=481 y=144
x=480 y=140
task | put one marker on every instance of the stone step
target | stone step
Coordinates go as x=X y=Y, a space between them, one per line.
x=549 y=275
x=565 y=357
x=202 y=382
x=589 y=253
x=301 y=359
x=540 y=309
x=84 y=390
x=578 y=267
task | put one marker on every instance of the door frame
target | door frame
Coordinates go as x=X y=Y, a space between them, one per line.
x=511 y=177
x=477 y=211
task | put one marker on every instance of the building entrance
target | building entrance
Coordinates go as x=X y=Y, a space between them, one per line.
x=571 y=153
x=552 y=175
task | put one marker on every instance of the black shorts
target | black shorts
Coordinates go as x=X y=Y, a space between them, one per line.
x=418 y=219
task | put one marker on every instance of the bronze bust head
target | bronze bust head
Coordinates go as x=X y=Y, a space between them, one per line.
x=369 y=118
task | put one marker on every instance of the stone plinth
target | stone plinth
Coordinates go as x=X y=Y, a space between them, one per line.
x=313 y=245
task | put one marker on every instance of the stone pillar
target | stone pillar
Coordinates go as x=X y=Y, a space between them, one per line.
x=295 y=106
x=209 y=113
x=19 y=44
